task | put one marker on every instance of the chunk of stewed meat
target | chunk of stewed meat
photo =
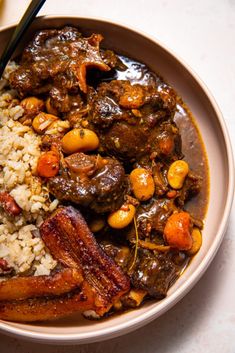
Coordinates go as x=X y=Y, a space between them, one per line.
x=154 y=272
x=57 y=58
x=134 y=120
x=136 y=96
x=125 y=141
x=132 y=142
x=91 y=181
x=151 y=218
x=120 y=253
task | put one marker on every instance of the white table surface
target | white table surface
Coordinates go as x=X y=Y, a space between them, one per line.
x=202 y=32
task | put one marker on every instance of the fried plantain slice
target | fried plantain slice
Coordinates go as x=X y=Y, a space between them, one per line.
x=19 y=288
x=42 y=309
x=71 y=242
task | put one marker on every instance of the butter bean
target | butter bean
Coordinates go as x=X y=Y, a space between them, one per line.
x=32 y=105
x=197 y=241
x=80 y=140
x=177 y=173
x=42 y=122
x=121 y=218
x=142 y=184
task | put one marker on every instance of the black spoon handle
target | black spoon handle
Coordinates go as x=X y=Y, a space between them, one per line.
x=28 y=17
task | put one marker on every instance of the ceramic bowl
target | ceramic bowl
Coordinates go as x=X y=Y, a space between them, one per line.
x=215 y=136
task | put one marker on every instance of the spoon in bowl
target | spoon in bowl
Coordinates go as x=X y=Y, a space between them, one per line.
x=28 y=17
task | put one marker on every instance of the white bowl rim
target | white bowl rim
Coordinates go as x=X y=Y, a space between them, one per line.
x=162 y=307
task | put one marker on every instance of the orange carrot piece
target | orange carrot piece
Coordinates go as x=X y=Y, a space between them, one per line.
x=177 y=231
x=48 y=164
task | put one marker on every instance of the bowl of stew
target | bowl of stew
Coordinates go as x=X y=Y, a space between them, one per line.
x=127 y=186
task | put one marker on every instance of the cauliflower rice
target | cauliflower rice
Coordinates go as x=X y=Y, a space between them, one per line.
x=20 y=242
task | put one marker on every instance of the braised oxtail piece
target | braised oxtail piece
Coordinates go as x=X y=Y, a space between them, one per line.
x=57 y=58
x=91 y=181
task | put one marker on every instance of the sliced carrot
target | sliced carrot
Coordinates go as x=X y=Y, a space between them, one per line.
x=177 y=231
x=48 y=164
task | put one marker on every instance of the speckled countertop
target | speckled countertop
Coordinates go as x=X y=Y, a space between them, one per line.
x=202 y=32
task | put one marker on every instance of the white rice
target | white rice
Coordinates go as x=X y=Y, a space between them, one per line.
x=20 y=243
